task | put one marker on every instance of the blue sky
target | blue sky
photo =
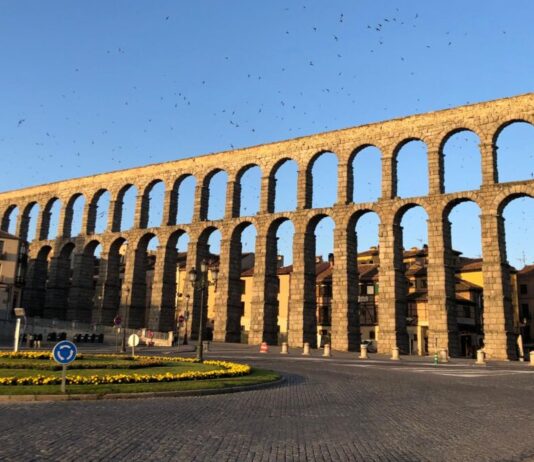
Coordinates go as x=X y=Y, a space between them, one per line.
x=89 y=87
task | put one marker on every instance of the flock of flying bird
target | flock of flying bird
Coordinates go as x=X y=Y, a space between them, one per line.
x=242 y=121
x=240 y=118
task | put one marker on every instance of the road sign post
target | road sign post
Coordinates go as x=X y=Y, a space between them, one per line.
x=133 y=341
x=117 y=321
x=64 y=353
x=181 y=320
x=20 y=314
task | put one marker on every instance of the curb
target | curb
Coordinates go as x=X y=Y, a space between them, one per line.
x=150 y=394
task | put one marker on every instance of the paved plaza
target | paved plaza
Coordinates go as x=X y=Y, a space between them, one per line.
x=329 y=409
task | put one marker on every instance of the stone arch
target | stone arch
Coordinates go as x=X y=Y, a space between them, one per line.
x=59 y=283
x=395 y=306
x=97 y=220
x=504 y=229
x=306 y=315
x=448 y=225
x=204 y=252
x=142 y=279
x=413 y=167
x=521 y=167
x=166 y=286
x=270 y=316
x=212 y=204
x=285 y=169
x=91 y=247
x=9 y=219
x=511 y=197
x=363 y=273
x=84 y=296
x=152 y=205
x=324 y=183
x=517 y=212
x=369 y=191
x=247 y=188
x=233 y=263
x=183 y=199
x=50 y=219
x=36 y=282
x=28 y=223
x=73 y=218
x=455 y=162
x=506 y=124
x=402 y=210
x=461 y=296
x=124 y=214
x=110 y=282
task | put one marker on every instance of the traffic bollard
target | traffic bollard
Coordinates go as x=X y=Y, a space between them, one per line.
x=206 y=345
x=436 y=361
x=326 y=352
x=306 y=350
x=480 y=358
x=363 y=351
x=395 y=354
x=443 y=356
x=284 y=350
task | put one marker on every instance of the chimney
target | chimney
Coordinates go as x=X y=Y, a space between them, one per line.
x=331 y=258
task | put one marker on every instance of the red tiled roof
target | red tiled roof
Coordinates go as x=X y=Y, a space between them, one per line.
x=526 y=269
x=282 y=270
x=367 y=271
x=416 y=270
x=470 y=264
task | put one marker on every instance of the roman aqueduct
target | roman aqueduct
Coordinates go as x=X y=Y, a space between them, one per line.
x=52 y=292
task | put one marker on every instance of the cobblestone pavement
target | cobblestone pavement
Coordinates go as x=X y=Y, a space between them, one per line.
x=337 y=409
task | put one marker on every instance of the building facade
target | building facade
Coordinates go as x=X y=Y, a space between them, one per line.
x=13 y=254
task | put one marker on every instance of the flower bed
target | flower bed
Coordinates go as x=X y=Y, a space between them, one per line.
x=224 y=370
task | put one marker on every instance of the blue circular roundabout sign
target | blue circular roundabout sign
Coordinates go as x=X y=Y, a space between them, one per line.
x=64 y=352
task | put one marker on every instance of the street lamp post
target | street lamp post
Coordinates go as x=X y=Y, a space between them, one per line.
x=201 y=283
x=186 y=317
x=123 y=346
x=409 y=320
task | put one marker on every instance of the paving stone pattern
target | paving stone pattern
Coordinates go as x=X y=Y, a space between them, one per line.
x=328 y=410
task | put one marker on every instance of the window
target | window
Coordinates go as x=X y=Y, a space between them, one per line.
x=1 y=247
x=525 y=312
x=467 y=312
x=243 y=287
x=522 y=288
x=325 y=290
x=412 y=310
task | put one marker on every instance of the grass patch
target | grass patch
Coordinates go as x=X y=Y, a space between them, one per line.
x=34 y=373
x=255 y=377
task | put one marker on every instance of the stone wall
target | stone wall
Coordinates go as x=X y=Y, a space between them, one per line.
x=73 y=297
